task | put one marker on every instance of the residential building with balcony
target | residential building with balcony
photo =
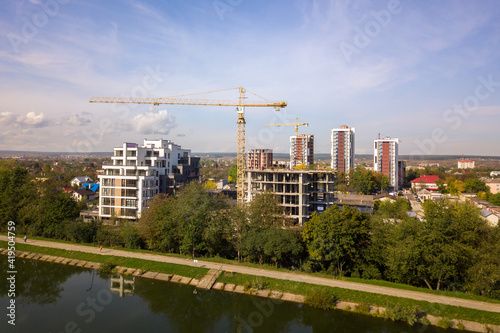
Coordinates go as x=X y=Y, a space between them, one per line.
x=138 y=173
x=301 y=150
x=385 y=160
x=342 y=149
x=260 y=159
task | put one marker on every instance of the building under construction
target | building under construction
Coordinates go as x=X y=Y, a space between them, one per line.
x=300 y=192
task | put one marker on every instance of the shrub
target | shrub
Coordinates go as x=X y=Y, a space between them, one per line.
x=444 y=323
x=461 y=326
x=322 y=299
x=397 y=312
x=363 y=308
x=106 y=268
x=425 y=321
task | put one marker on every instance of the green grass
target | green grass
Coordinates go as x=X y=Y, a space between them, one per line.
x=362 y=297
x=271 y=267
x=455 y=294
x=146 y=265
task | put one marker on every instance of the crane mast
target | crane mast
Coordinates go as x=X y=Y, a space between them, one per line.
x=182 y=100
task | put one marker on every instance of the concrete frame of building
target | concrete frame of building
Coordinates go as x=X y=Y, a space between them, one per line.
x=342 y=148
x=138 y=173
x=300 y=192
x=385 y=160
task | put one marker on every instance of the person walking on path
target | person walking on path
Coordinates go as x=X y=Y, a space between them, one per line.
x=25 y=238
x=100 y=248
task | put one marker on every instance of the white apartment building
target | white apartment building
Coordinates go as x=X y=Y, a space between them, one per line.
x=342 y=148
x=137 y=174
x=385 y=160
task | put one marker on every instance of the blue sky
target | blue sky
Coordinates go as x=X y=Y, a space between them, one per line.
x=425 y=72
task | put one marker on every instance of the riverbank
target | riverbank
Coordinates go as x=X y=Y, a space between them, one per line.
x=283 y=284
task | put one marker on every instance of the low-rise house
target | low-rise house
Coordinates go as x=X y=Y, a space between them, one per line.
x=490 y=217
x=494 y=185
x=364 y=203
x=78 y=181
x=80 y=194
x=488 y=207
x=427 y=182
x=94 y=187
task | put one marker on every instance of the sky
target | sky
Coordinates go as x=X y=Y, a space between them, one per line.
x=426 y=72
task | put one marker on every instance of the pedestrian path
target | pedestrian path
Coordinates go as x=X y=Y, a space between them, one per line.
x=298 y=277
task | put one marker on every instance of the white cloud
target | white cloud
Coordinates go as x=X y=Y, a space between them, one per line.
x=154 y=122
x=7 y=118
x=77 y=120
x=31 y=119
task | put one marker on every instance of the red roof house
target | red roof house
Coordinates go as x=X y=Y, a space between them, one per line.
x=426 y=181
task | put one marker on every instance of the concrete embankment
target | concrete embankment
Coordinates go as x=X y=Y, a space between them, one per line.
x=209 y=281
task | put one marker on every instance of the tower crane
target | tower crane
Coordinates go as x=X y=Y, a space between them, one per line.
x=296 y=124
x=182 y=100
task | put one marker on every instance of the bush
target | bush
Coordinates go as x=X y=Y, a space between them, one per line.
x=322 y=299
x=444 y=323
x=106 y=268
x=397 y=312
x=362 y=308
x=81 y=232
x=461 y=326
x=425 y=321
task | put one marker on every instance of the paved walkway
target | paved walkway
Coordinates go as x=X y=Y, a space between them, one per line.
x=492 y=307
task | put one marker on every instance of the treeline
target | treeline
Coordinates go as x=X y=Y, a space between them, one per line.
x=452 y=248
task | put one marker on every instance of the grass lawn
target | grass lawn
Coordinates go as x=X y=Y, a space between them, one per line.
x=146 y=265
x=448 y=311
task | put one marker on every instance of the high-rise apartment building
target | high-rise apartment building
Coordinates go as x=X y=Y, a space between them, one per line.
x=260 y=159
x=342 y=149
x=301 y=150
x=385 y=160
x=138 y=173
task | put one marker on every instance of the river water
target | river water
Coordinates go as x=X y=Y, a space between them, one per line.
x=58 y=298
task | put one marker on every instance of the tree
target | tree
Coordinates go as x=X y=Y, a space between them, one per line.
x=337 y=238
x=265 y=211
x=474 y=185
x=364 y=181
x=210 y=185
x=232 y=174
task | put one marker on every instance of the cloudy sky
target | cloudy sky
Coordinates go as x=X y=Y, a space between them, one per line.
x=426 y=72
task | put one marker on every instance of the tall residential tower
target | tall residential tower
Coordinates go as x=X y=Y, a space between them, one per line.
x=385 y=160
x=301 y=150
x=343 y=148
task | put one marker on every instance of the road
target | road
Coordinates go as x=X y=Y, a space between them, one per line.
x=492 y=307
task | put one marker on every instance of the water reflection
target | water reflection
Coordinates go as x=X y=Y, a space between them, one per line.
x=53 y=296
x=122 y=285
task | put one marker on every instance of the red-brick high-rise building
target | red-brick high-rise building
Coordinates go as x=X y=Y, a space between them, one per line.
x=301 y=150
x=342 y=153
x=385 y=160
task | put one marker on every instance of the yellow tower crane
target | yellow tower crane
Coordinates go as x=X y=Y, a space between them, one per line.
x=182 y=100
x=296 y=124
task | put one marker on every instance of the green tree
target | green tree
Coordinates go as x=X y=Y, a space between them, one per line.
x=210 y=185
x=232 y=174
x=265 y=211
x=474 y=185
x=364 y=181
x=337 y=238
